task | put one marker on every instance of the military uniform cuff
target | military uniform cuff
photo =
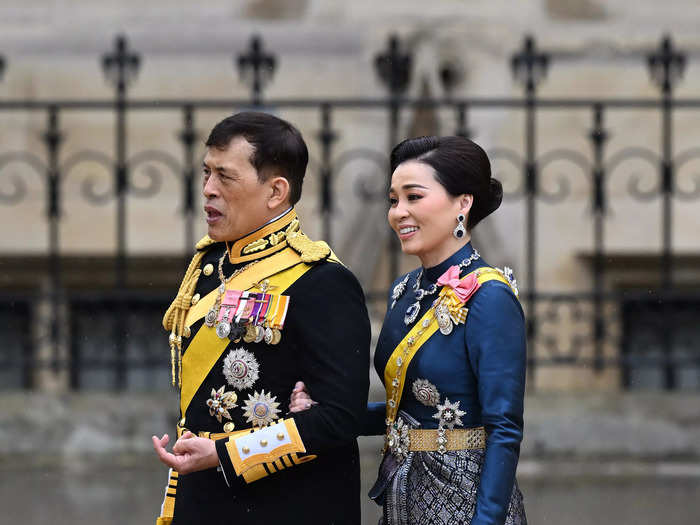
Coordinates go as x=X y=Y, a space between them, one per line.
x=259 y=453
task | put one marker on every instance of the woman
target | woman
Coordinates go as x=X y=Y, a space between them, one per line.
x=451 y=352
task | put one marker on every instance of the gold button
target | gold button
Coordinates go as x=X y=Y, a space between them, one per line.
x=280 y=436
x=263 y=442
x=208 y=269
x=246 y=450
x=195 y=298
x=186 y=332
x=228 y=427
x=182 y=422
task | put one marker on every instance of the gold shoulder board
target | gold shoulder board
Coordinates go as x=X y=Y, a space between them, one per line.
x=310 y=251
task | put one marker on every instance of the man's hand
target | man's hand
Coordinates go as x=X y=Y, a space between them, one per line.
x=190 y=453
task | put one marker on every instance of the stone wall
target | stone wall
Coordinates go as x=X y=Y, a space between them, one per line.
x=326 y=49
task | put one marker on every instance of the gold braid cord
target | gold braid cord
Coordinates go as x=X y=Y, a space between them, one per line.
x=174 y=318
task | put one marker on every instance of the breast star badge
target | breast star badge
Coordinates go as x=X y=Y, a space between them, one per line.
x=220 y=402
x=426 y=392
x=449 y=415
x=261 y=409
x=241 y=369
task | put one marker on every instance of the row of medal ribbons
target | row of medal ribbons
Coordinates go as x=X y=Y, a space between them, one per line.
x=253 y=317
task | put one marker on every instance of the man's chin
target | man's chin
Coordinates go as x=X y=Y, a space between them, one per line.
x=215 y=234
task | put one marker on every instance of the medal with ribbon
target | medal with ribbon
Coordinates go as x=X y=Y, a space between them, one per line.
x=449 y=306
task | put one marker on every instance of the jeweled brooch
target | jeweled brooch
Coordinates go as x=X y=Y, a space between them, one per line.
x=398 y=290
x=261 y=409
x=241 y=369
x=449 y=415
x=398 y=439
x=426 y=392
x=221 y=402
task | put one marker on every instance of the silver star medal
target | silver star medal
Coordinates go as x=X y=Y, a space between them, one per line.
x=241 y=369
x=449 y=415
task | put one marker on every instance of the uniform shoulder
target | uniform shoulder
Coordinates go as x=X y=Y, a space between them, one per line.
x=309 y=250
x=330 y=269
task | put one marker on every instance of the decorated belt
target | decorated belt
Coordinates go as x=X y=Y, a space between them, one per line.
x=402 y=439
x=457 y=439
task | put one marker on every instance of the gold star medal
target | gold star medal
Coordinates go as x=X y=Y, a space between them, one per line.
x=261 y=409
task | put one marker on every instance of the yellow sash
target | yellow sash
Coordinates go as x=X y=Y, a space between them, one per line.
x=399 y=362
x=281 y=270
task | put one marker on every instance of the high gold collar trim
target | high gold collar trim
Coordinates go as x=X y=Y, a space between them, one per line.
x=265 y=241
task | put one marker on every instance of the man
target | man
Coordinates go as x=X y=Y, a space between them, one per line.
x=260 y=307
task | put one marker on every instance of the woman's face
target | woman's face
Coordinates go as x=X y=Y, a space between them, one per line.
x=423 y=214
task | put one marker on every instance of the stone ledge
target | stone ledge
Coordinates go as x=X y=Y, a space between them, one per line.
x=76 y=429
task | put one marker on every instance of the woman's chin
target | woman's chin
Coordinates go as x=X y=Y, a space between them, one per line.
x=409 y=247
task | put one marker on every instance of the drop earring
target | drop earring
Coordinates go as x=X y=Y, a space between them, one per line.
x=459 y=230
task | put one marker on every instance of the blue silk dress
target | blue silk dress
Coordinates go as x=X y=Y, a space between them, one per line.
x=481 y=365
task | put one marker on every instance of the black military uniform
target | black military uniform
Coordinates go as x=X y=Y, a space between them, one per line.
x=293 y=468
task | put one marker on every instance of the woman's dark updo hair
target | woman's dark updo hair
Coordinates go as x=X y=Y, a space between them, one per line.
x=460 y=165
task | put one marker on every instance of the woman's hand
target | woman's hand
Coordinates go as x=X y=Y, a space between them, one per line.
x=300 y=399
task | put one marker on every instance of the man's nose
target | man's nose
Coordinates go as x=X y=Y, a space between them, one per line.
x=210 y=189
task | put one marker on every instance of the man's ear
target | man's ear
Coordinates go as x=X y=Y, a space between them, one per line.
x=279 y=192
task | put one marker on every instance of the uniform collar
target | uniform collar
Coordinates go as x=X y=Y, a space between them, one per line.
x=266 y=240
x=431 y=274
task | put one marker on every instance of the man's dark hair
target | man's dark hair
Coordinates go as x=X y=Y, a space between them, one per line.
x=278 y=146
x=460 y=165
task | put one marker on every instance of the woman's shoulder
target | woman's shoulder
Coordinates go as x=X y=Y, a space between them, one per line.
x=497 y=292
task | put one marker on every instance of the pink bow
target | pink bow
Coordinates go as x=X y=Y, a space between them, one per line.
x=463 y=288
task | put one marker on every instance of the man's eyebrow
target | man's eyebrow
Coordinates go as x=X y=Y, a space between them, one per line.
x=215 y=168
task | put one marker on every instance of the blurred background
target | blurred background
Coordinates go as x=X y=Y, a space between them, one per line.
x=589 y=110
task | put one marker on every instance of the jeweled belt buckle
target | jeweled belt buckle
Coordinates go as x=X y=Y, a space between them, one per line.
x=397 y=439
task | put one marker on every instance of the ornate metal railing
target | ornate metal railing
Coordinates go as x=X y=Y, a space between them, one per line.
x=140 y=175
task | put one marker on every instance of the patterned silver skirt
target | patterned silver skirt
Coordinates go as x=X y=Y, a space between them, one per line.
x=430 y=488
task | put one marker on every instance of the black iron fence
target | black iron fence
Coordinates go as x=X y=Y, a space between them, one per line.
x=98 y=336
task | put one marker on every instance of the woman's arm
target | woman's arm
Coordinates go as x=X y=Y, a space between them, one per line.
x=496 y=344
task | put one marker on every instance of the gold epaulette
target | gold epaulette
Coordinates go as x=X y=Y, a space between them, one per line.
x=310 y=251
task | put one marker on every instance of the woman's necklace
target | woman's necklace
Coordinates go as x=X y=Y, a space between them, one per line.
x=412 y=312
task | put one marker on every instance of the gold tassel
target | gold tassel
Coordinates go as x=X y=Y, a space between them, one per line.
x=174 y=318
x=171 y=340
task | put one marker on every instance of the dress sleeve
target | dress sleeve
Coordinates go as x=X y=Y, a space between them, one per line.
x=496 y=344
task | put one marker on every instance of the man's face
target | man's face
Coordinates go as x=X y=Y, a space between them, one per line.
x=235 y=201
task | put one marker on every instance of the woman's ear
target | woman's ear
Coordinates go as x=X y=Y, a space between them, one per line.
x=279 y=192
x=465 y=202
